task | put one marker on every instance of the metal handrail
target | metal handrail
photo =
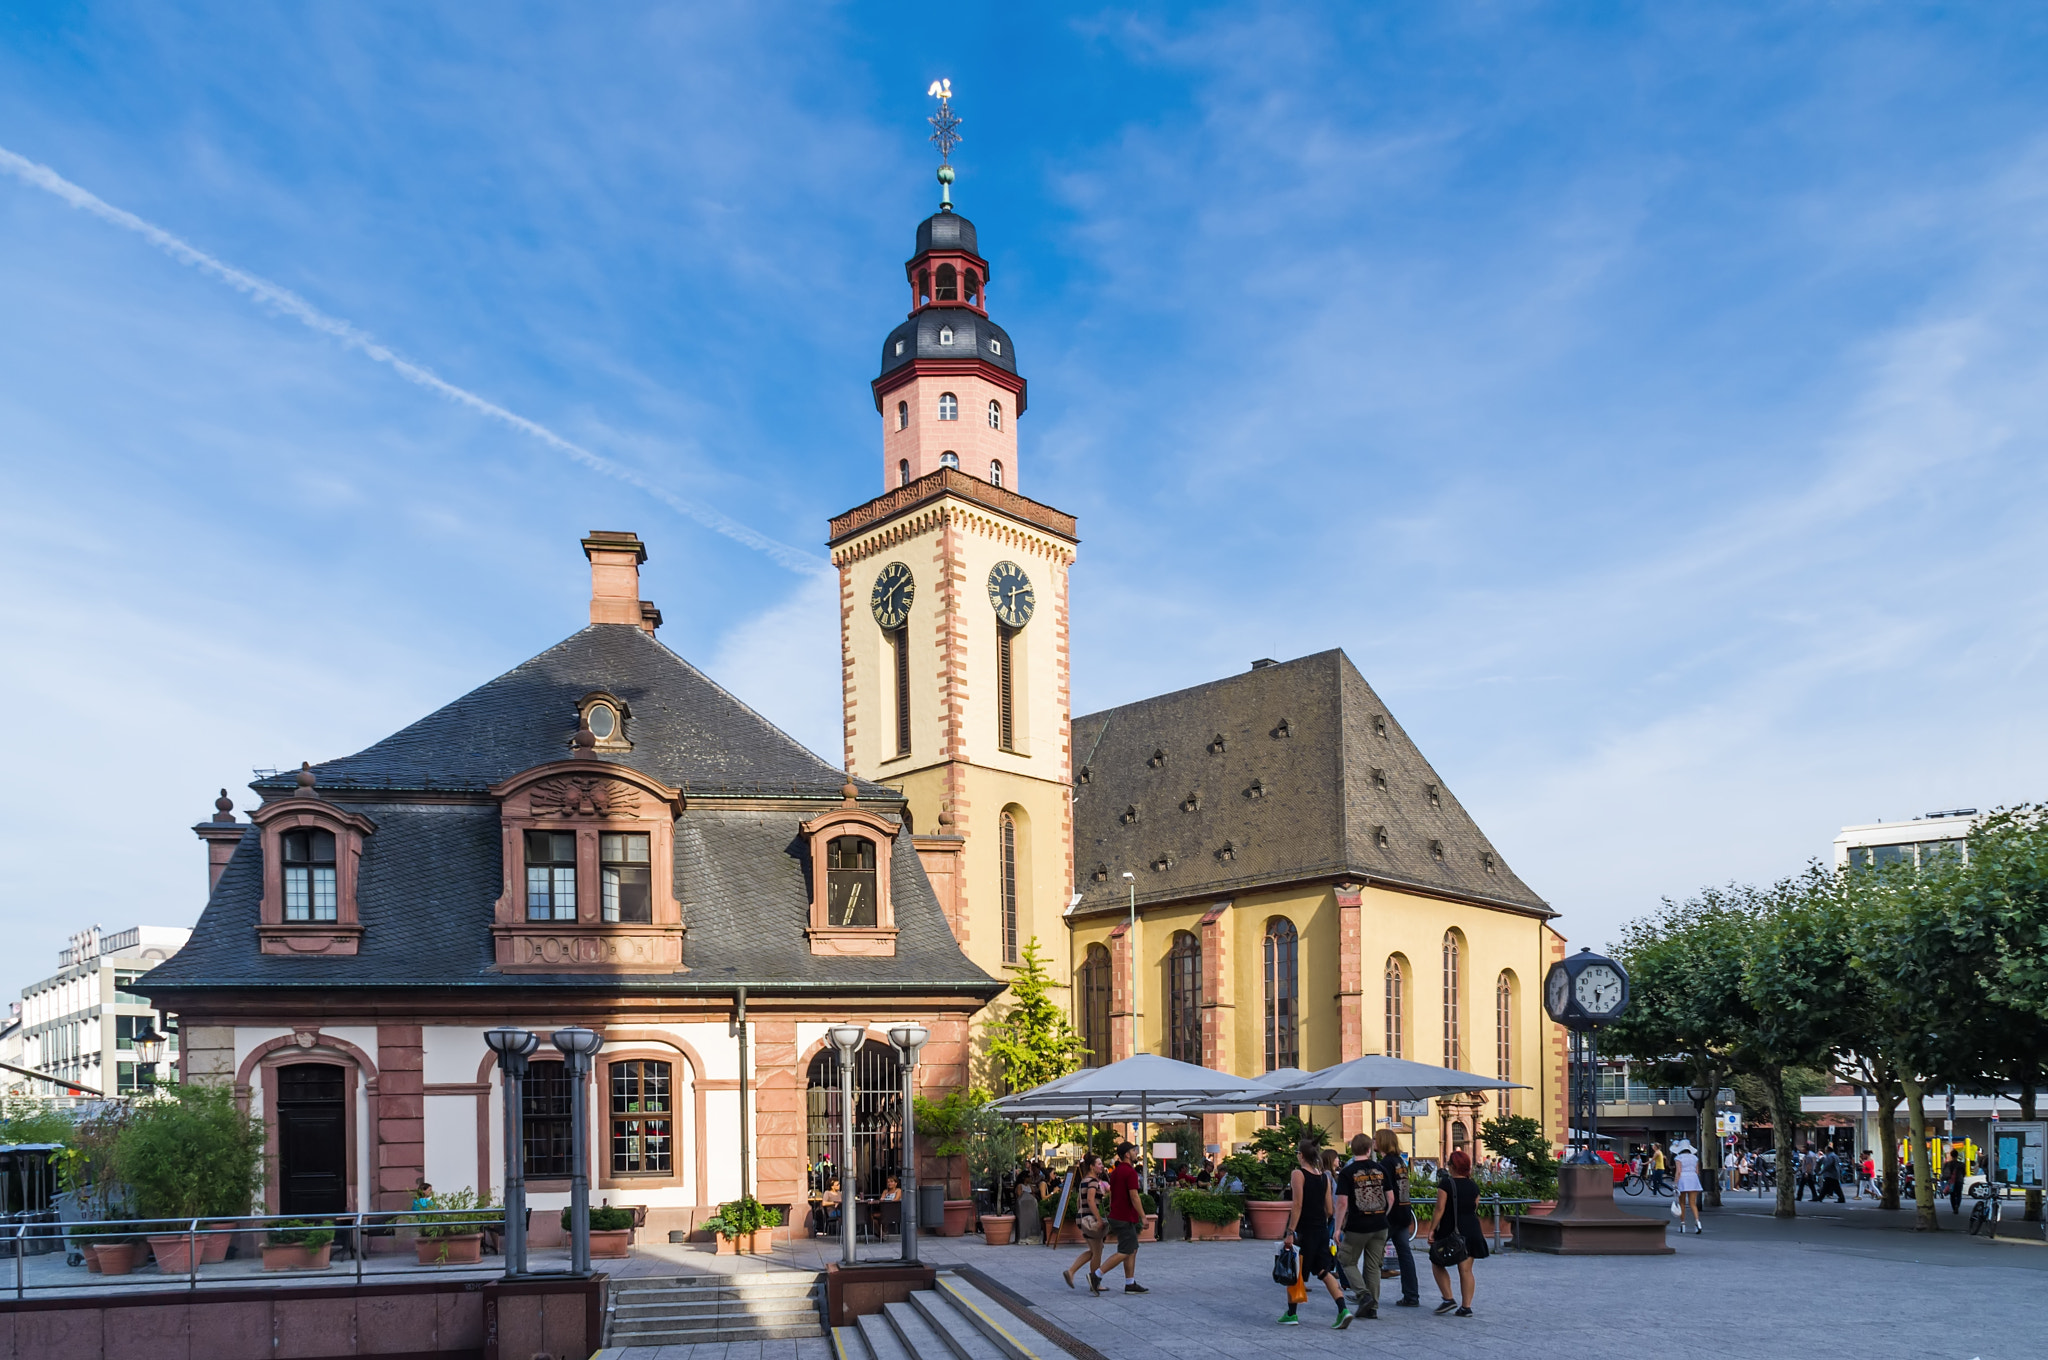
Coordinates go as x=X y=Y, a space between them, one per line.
x=1497 y=1202
x=358 y=1225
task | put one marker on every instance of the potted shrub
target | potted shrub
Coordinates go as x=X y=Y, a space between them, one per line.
x=745 y=1226
x=1264 y=1170
x=298 y=1244
x=1212 y=1217
x=117 y=1253
x=1521 y=1141
x=947 y=1124
x=189 y=1153
x=1150 y=1232
x=611 y=1232
x=451 y=1230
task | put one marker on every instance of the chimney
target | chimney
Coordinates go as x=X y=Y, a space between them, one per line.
x=221 y=835
x=615 y=559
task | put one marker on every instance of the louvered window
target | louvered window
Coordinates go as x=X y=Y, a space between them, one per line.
x=901 y=641
x=1006 y=688
x=1009 y=888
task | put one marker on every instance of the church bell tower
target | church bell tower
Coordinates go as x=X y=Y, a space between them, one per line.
x=953 y=612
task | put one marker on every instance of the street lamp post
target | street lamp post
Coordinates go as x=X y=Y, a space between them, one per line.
x=847 y=1039
x=513 y=1047
x=1709 y=1148
x=149 y=1051
x=908 y=1039
x=579 y=1046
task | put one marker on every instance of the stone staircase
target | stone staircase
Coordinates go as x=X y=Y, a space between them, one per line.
x=954 y=1321
x=691 y=1309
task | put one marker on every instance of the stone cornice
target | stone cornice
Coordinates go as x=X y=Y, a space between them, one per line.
x=950 y=482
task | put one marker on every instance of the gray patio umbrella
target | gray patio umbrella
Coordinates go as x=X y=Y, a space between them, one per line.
x=1147 y=1079
x=1243 y=1103
x=1378 y=1077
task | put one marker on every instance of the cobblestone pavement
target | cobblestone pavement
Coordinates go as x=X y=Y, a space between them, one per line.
x=1854 y=1283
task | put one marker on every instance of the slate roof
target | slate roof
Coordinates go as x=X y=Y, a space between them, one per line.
x=1155 y=788
x=971 y=335
x=431 y=871
x=946 y=230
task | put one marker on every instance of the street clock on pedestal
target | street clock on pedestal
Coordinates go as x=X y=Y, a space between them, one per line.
x=1585 y=991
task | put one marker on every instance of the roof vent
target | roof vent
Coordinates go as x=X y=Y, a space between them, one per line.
x=1436 y=851
x=1227 y=852
x=1264 y=662
x=1379 y=726
x=1381 y=838
x=1257 y=789
x=1285 y=729
x=1192 y=803
x=1082 y=777
x=1162 y=864
x=1436 y=798
x=1130 y=815
x=1486 y=858
x=1379 y=779
x=1216 y=747
x=1158 y=757
x=1102 y=873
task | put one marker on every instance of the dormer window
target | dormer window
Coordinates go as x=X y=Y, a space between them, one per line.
x=850 y=881
x=606 y=715
x=550 y=875
x=309 y=889
x=604 y=721
x=851 y=912
x=945 y=335
x=899 y=347
x=949 y=459
x=628 y=894
x=995 y=346
x=949 y=405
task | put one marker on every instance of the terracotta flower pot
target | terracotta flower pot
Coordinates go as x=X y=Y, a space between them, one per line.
x=174 y=1252
x=1215 y=1232
x=729 y=1246
x=1541 y=1206
x=996 y=1228
x=762 y=1242
x=293 y=1256
x=610 y=1244
x=118 y=1258
x=213 y=1248
x=1151 y=1232
x=959 y=1214
x=463 y=1249
x=1070 y=1233
x=1269 y=1218
x=91 y=1252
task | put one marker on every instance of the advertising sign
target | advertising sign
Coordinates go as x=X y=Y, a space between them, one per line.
x=2017 y=1153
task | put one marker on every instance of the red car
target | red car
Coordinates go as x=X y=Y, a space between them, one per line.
x=1619 y=1167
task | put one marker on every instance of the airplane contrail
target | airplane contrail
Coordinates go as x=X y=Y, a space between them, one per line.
x=355 y=338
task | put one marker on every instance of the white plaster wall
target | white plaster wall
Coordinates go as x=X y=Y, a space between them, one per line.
x=719 y=1049
x=451 y=1144
x=451 y=1054
x=722 y=1146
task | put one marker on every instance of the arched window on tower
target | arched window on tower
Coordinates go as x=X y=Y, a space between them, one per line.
x=949 y=459
x=995 y=415
x=1397 y=997
x=974 y=287
x=1283 y=994
x=1454 y=1048
x=1009 y=866
x=1504 y=1037
x=902 y=415
x=1184 y=999
x=924 y=286
x=995 y=472
x=1091 y=987
x=949 y=406
x=949 y=284
x=903 y=472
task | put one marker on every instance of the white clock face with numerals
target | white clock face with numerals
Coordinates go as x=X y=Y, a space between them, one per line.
x=1598 y=989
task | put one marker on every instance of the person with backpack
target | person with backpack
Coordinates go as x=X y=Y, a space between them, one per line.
x=1400 y=1214
x=1310 y=1212
x=1363 y=1200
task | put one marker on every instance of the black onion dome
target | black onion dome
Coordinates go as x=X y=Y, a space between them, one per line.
x=974 y=336
x=946 y=231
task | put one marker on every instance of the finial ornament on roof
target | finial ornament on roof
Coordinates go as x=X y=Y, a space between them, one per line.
x=945 y=136
x=223 y=808
x=306 y=779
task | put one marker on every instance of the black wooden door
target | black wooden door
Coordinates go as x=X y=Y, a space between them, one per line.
x=312 y=1140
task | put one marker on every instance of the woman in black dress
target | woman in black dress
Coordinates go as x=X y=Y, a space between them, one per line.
x=1457 y=1210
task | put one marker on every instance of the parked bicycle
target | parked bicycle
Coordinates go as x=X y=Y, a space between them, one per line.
x=1638 y=1181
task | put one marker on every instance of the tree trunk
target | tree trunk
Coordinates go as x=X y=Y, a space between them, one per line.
x=1711 y=1143
x=1888 y=1144
x=1923 y=1174
x=1781 y=1139
x=2033 y=1213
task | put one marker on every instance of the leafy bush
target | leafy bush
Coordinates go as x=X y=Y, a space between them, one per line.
x=192 y=1154
x=457 y=1215
x=1521 y=1140
x=947 y=1124
x=28 y=1121
x=1204 y=1206
x=740 y=1217
x=1265 y=1169
x=1422 y=1190
x=309 y=1233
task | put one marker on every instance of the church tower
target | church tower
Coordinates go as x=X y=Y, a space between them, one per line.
x=953 y=615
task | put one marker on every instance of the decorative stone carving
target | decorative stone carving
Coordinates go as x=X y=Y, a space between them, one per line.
x=577 y=796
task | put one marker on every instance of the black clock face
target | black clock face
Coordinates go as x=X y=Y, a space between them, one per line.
x=1557 y=991
x=894 y=590
x=1009 y=590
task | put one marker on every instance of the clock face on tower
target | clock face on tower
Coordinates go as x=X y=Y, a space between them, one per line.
x=1557 y=991
x=1598 y=990
x=894 y=590
x=1009 y=591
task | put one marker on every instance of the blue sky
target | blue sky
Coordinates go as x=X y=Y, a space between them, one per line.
x=1648 y=398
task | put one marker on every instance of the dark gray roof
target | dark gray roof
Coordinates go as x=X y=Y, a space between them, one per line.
x=971 y=335
x=1156 y=787
x=946 y=231
x=430 y=874
x=431 y=871
x=685 y=729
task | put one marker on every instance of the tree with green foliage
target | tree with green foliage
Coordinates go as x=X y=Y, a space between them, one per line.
x=1031 y=1042
x=947 y=1124
x=1522 y=1141
x=191 y=1153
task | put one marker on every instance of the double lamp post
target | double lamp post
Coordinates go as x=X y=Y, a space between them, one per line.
x=578 y=1047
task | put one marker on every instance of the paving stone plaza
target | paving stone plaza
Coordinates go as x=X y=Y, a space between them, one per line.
x=1841 y=1281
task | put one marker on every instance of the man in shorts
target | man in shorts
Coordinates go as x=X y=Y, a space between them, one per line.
x=1126 y=1220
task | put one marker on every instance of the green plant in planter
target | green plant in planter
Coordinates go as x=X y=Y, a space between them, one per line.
x=946 y=1123
x=458 y=1215
x=190 y=1154
x=312 y=1234
x=740 y=1217
x=1521 y=1140
x=1205 y=1206
x=604 y=1218
x=1422 y=1191
x=1267 y=1166
x=991 y=1146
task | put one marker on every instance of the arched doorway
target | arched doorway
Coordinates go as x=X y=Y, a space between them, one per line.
x=312 y=1139
x=877 y=1118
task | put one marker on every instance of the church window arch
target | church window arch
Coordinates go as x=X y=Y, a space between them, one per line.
x=1396 y=1006
x=1184 y=998
x=1504 y=1037
x=995 y=472
x=974 y=287
x=902 y=415
x=949 y=284
x=1454 y=966
x=1091 y=989
x=949 y=406
x=1009 y=891
x=1283 y=994
x=949 y=459
x=995 y=415
x=903 y=472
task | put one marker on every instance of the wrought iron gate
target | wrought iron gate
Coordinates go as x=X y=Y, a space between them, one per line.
x=877 y=1118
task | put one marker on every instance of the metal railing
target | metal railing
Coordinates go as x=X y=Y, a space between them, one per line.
x=183 y=1257
x=1498 y=1204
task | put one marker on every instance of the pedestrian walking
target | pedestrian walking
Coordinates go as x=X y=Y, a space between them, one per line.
x=1400 y=1215
x=1363 y=1201
x=1804 y=1184
x=1457 y=1217
x=1689 y=1186
x=1310 y=1212
x=1126 y=1220
x=1089 y=1192
x=1830 y=1174
x=1657 y=1168
x=1952 y=1180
